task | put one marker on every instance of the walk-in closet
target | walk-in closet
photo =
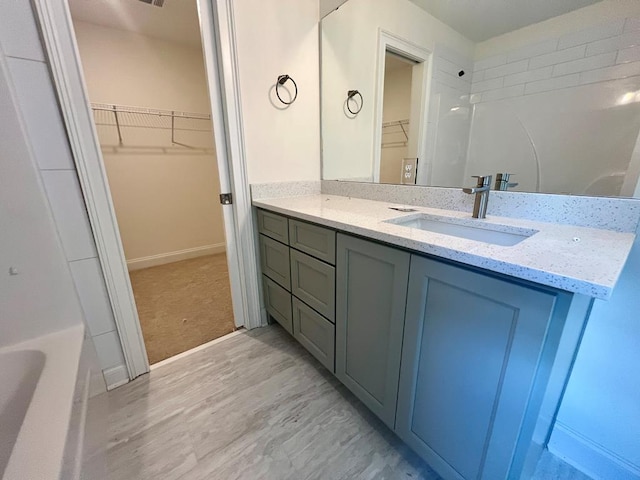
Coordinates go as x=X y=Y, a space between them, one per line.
x=146 y=82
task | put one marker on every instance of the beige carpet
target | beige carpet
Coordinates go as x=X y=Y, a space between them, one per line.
x=182 y=305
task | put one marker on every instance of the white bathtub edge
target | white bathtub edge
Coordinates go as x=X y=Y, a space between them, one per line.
x=46 y=422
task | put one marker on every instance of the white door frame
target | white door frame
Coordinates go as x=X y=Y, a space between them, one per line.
x=420 y=86
x=216 y=22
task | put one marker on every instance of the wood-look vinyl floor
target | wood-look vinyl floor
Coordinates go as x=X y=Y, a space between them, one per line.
x=257 y=406
x=182 y=305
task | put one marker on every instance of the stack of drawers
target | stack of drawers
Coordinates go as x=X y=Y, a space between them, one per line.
x=298 y=272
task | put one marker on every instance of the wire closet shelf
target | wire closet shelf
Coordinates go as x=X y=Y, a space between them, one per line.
x=395 y=134
x=121 y=117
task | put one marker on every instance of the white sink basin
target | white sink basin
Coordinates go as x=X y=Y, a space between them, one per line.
x=503 y=235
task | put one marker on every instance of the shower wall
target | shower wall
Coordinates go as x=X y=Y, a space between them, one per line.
x=561 y=111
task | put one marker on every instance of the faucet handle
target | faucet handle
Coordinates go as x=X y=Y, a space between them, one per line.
x=502 y=181
x=483 y=180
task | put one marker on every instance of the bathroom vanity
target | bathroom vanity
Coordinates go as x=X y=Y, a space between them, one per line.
x=459 y=334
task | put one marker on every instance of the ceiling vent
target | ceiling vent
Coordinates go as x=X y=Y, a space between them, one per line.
x=156 y=3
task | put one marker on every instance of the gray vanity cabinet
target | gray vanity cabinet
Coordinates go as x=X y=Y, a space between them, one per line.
x=274 y=260
x=278 y=303
x=313 y=282
x=473 y=345
x=371 y=288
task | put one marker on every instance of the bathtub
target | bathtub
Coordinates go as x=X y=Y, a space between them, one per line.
x=38 y=382
x=19 y=374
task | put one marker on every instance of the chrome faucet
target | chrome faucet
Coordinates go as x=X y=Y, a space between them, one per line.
x=481 y=191
x=502 y=181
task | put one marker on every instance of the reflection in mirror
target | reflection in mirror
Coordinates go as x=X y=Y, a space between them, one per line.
x=396 y=108
x=546 y=92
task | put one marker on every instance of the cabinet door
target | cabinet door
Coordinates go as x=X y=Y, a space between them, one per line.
x=273 y=225
x=314 y=282
x=278 y=303
x=274 y=260
x=314 y=332
x=317 y=241
x=371 y=293
x=472 y=345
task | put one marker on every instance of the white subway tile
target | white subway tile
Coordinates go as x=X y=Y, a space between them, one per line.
x=443 y=51
x=528 y=76
x=89 y=282
x=67 y=205
x=19 y=34
x=500 y=93
x=450 y=68
x=533 y=50
x=109 y=349
x=557 y=57
x=490 y=62
x=552 y=84
x=622 y=70
x=452 y=81
x=487 y=85
x=627 y=55
x=444 y=89
x=585 y=64
x=39 y=107
x=632 y=24
x=612 y=44
x=591 y=34
x=477 y=76
x=507 y=69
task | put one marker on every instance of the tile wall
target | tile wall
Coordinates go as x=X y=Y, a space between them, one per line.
x=28 y=67
x=603 y=52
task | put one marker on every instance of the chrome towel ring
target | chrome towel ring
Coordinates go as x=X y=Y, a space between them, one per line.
x=350 y=97
x=282 y=79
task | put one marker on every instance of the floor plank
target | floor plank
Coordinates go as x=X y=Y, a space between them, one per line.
x=220 y=414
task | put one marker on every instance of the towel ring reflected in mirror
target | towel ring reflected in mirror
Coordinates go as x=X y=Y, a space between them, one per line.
x=282 y=79
x=350 y=97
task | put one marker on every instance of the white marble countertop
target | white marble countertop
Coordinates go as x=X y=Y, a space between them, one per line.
x=577 y=259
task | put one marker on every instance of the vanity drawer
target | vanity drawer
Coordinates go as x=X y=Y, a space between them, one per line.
x=274 y=259
x=278 y=303
x=314 y=282
x=273 y=225
x=315 y=333
x=317 y=241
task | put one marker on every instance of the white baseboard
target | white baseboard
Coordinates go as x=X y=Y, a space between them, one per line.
x=170 y=257
x=115 y=376
x=590 y=457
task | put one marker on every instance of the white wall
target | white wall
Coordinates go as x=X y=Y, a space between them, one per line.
x=544 y=93
x=45 y=130
x=598 y=426
x=349 y=61
x=277 y=37
x=328 y=6
x=166 y=203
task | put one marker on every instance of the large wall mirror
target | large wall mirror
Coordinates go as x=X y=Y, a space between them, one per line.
x=431 y=92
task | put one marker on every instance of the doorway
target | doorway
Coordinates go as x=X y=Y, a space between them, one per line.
x=146 y=80
x=401 y=109
x=395 y=165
